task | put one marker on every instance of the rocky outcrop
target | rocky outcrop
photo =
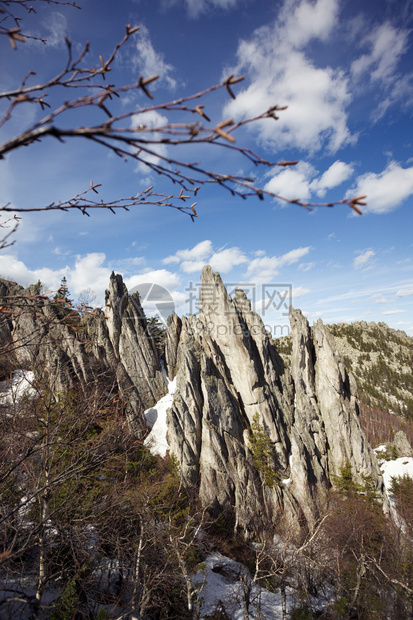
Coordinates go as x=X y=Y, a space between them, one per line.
x=402 y=445
x=8 y=291
x=133 y=355
x=69 y=348
x=336 y=394
x=230 y=379
x=173 y=333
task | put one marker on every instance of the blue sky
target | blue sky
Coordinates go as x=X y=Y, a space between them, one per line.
x=344 y=70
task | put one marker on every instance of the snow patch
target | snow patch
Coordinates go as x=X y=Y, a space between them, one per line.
x=20 y=386
x=398 y=468
x=222 y=583
x=394 y=469
x=156 y=418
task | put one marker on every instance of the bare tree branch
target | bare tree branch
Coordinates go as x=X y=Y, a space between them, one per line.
x=128 y=138
x=8 y=14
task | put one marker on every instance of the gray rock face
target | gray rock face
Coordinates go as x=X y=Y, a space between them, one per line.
x=229 y=377
x=402 y=444
x=336 y=393
x=65 y=347
x=134 y=353
x=8 y=290
x=171 y=346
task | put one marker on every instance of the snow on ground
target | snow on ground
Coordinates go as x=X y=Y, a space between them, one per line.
x=398 y=468
x=21 y=385
x=156 y=419
x=222 y=582
x=395 y=468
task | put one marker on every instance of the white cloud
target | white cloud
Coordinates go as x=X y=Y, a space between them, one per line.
x=267 y=267
x=147 y=122
x=386 y=190
x=305 y=20
x=163 y=277
x=306 y=266
x=401 y=91
x=199 y=252
x=225 y=260
x=155 y=301
x=378 y=298
x=56 y=29
x=392 y=311
x=126 y=265
x=334 y=176
x=313 y=316
x=294 y=255
x=189 y=266
x=363 y=259
x=302 y=180
x=60 y=252
x=281 y=73
x=292 y=183
x=299 y=291
x=386 y=46
x=192 y=260
x=404 y=292
x=264 y=268
x=14 y=269
x=150 y=62
x=89 y=272
x=198 y=7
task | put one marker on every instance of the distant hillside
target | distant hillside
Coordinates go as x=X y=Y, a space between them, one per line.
x=381 y=359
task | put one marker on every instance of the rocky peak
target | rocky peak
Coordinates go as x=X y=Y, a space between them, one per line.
x=229 y=379
x=67 y=347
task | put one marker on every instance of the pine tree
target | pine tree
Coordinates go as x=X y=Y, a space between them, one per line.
x=262 y=452
x=63 y=294
x=157 y=332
